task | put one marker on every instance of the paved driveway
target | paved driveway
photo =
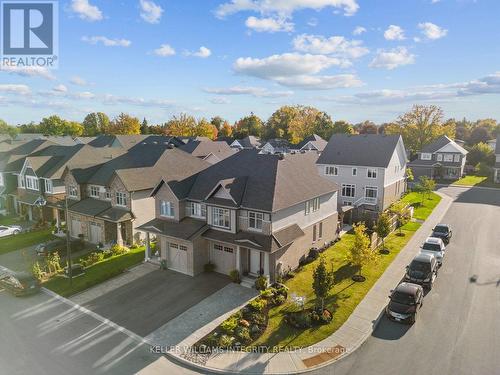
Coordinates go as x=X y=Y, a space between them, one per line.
x=154 y=299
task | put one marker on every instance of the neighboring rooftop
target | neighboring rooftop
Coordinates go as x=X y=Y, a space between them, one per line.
x=249 y=141
x=203 y=149
x=441 y=142
x=312 y=142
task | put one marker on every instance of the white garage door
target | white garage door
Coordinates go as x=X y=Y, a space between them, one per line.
x=76 y=228
x=177 y=257
x=223 y=257
x=95 y=233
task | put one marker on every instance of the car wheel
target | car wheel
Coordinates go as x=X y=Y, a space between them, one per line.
x=413 y=318
x=16 y=232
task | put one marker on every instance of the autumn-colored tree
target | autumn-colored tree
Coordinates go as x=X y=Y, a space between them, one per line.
x=54 y=125
x=95 y=123
x=218 y=122
x=367 y=127
x=206 y=129
x=124 y=124
x=481 y=152
x=249 y=125
x=181 y=126
x=226 y=130
x=341 y=127
x=7 y=129
x=360 y=253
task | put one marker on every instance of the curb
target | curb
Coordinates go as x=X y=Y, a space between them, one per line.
x=197 y=366
x=469 y=186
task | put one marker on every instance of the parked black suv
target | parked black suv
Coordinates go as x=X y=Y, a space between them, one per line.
x=442 y=231
x=406 y=299
x=422 y=270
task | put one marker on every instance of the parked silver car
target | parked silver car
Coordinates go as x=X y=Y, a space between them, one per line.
x=434 y=246
x=11 y=230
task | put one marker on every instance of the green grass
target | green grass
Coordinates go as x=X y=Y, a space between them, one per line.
x=423 y=207
x=96 y=274
x=12 y=243
x=9 y=220
x=473 y=180
x=344 y=297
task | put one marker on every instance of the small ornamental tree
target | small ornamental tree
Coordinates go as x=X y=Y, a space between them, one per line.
x=360 y=254
x=322 y=282
x=383 y=228
x=425 y=187
x=400 y=210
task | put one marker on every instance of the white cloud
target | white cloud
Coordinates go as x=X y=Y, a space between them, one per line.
x=34 y=71
x=203 y=53
x=79 y=81
x=359 y=30
x=86 y=11
x=164 y=50
x=335 y=45
x=220 y=100
x=107 y=42
x=259 y=92
x=391 y=59
x=432 y=31
x=15 y=89
x=394 y=32
x=269 y=24
x=321 y=82
x=150 y=11
x=284 y=7
x=118 y=100
x=60 y=88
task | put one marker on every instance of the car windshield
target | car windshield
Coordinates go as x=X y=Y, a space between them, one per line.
x=403 y=298
x=431 y=246
x=420 y=266
x=441 y=229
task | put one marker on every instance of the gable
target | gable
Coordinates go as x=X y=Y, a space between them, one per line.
x=236 y=144
x=222 y=193
x=309 y=146
x=452 y=147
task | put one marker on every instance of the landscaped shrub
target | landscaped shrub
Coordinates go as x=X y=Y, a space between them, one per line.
x=261 y=283
x=119 y=250
x=244 y=323
x=93 y=258
x=209 y=267
x=268 y=293
x=278 y=300
x=255 y=317
x=212 y=340
x=258 y=304
x=235 y=276
x=229 y=325
x=37 y=272
x=300 y=319
x=313 y=253
x=225 y=341
x=243 y=333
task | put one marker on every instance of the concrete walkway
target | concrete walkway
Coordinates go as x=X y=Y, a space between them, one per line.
x=341 y=343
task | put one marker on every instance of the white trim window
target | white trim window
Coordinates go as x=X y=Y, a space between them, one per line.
x=20 y=182
x=107 y=194
x=49 y=186
x=94 y=191
x=221 y=218
x=439 y=157
x=32 y=183
x=312 y=206
x=371 y=173
x=348 y=190
x=456 y=158
x=320 y=230
x=355 y=171
x=72 y=191
x=255 y=220
x=425 y=156
x=198 y=210
x=121 y=199
x=371 y=192
x=346 y=203
x=331 y=170
x=1 y=180
x=448 y=157
x=167 y=209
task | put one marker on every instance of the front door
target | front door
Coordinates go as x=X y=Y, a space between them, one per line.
x=95 y=233
x=255 y=267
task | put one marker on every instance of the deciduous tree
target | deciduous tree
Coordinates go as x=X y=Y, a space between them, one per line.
x=322 y=281
x=360 y=253
x=249 y=125
x=383 y=227
x=124 y=124
x=8 y=129
x=95 y=123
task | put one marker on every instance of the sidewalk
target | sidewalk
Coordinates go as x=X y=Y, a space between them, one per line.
x=341 y=343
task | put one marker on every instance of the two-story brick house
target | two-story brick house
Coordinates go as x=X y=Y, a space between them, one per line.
x=442 y=159
x=251 y=212
x=369 y=169
x=109 y=201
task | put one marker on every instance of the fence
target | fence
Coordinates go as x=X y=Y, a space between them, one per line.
x=376 y=241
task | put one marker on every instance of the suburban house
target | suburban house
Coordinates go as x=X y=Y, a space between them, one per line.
x=210 y=151
x=249 y=142
x=312 y=143
x=369 y=170
x=108 y=201
x=442 y=159
x=496 y=168
x=255 y=213
x=276 y=146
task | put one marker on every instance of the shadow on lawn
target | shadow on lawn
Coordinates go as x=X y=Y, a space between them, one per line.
x=345 y=272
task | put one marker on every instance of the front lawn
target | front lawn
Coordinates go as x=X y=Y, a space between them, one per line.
x=96 y=274
x=423 y=205
x=9 y=220
x=23 y=240
x=473 y=180
x=344 y=297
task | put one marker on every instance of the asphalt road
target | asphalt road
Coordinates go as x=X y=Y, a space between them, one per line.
x=458 y=327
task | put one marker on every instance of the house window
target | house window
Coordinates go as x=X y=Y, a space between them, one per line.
x=425 y=156
x=173 y=246
x=348 y=190
x=439 y=157
x=183 y=248
x=331 y=170
x=166 y=209
x=20 y=181
x=312 y=206
x=372 y=173
x=354 y=171
x=346 y=203
x=220 y=217
x=314 y=232
x=218 y=247
x=320 y=230
x=198 y=209
x=32 y=183
x=94 y=191
x=228 y=249
x=121 y=199
x=72 y=191
x=448 y=157
x=255 y=220
x=49 y=186
x=371 y=192
x=457 y=158
x=108 y=194
x=1 y=179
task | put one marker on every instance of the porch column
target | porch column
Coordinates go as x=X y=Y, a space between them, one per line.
x=147 y=253
x=30 y=213
x=119 y=239
x=56 y=215
x=238 y=259
x=266 y=264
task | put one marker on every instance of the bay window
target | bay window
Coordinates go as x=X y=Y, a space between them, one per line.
x=32 y=183
x=255 y=220
x=198 y=209
x=121 y=199
x=49 y=188
x=220 y=217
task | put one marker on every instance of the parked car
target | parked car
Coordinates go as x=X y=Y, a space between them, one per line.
x=422 y=270
x=434 y=246
x=405 y=301
x=11 y=230
x=443 y=231
x=19 y=283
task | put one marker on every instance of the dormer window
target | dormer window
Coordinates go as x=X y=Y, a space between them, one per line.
x=220 y=217
x=94 y=191
x=49 y=188
x=32 y=183
x=425 y=156
x=255 y=220
x=121 y=199
x=72 y=191
x=166 y=209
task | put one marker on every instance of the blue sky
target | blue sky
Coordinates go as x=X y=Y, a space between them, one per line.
x=355 y=59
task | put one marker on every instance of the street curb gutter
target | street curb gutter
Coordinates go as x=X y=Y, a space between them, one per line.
x=443 y=206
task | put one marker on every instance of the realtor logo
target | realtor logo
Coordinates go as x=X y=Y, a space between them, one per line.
x=29 y=33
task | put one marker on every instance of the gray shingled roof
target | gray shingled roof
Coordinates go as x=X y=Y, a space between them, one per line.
x=184 y=229
x=250 y=141
x=202 y=149
x=315 y=140
x=370 y=150
x=436 y=145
